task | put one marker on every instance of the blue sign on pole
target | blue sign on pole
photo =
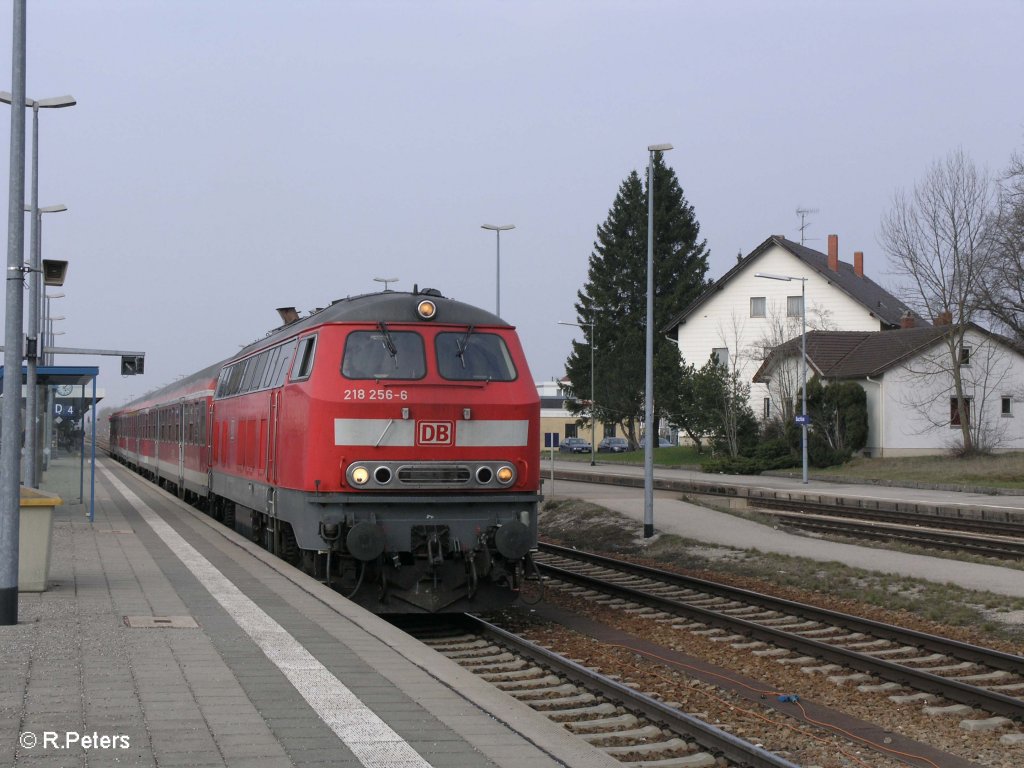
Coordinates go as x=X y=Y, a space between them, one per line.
x=802 y=419
x=551 y=439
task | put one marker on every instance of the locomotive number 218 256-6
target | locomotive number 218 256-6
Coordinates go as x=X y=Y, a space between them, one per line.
x=376 y=394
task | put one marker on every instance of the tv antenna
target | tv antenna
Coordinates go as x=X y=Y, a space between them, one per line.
x=802 y=213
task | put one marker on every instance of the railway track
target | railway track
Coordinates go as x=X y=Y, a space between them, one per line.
x=839 y=523
x=1004 y=529
x=815 y=638
x=625 y=723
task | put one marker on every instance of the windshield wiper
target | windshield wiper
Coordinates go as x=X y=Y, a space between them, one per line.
x=461 y=344
x=388 y=342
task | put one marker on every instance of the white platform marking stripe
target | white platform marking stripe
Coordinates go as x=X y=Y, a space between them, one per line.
x=369 y=738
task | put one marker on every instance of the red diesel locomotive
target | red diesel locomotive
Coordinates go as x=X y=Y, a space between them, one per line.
x=388 y=444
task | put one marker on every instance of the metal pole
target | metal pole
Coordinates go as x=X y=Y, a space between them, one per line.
x=497 y=279
x=29 y=476
x=803 y=355
x=593 y=409
x=10 y=440
x=649 y=360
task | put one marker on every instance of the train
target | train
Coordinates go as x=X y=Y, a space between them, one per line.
x=387 y=444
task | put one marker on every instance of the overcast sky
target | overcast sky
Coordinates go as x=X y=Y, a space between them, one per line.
x=227 y=158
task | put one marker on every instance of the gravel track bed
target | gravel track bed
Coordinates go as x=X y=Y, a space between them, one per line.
x=694 y=696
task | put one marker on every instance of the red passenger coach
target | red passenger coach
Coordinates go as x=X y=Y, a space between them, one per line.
x=388 y=444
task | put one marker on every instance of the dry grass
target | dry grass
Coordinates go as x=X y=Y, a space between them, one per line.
x=997 y=471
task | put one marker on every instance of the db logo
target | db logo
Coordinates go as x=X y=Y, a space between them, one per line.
x=435 y=433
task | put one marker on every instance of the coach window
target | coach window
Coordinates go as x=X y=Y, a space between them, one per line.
x=252 y=368
x=287 y=351
x=271 y=367
x=469 y=356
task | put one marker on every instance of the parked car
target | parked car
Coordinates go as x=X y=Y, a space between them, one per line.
x=664 y=442
x=613 y=445
x=574 y=445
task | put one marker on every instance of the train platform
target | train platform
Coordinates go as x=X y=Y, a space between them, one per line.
x=166 y=639
x=991 y=504
x=671 y=515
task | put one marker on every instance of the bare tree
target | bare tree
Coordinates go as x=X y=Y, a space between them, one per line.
x=940 y=241
x=1003 y=291
x=785 y=385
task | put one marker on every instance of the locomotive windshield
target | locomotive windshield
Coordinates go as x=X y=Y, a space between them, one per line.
x=470 y=356
x=383 y=354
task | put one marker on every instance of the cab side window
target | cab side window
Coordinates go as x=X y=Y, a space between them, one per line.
x=304 y=359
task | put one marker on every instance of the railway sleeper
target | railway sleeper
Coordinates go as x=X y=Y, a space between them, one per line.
x=545 y=682
x=549 y=693
x=481 y=650
x=670 y=745
x=604 y=724
x=696 y=760
x=577 y=713
x=489 y=662
x=543 y=705
x=519 y=674
x=645 y=732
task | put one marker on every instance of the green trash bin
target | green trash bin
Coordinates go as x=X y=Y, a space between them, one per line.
x=34 y=538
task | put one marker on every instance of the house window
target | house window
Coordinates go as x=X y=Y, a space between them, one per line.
x=965 y=355
x=570 y=430
x=609 y=430
x=721 y=355
x=1007 y=407
x=767 y=407
x=954 y=412
x=794 y=306
x=757 y=306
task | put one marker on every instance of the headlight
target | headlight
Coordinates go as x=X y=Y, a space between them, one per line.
x=505 y=475
x=426 y=309
x=360 y=475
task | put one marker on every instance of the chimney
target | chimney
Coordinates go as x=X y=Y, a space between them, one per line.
x=858 y=263
x=944 y=318
x=907 y=319
x=833 y=252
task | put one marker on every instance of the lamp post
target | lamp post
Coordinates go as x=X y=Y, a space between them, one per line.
x=10 y=440
x=31 y=458
x=593 y=411
x=803 y=358
x=498 y=229
x=649 y=350
x=29 y=475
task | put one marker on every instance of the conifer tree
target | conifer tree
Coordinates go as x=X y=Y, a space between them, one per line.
x=614 y=299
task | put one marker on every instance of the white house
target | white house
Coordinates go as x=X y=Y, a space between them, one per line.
x=742 y=316
x=907 y=376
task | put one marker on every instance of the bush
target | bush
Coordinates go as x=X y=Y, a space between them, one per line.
x=730 y=466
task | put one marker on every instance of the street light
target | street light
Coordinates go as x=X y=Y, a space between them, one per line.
x=32 y=458
x=498 y=229
x=30 y=478
x=14 y=337
x=593 y=411
x=649 y=353
x=803 y=356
